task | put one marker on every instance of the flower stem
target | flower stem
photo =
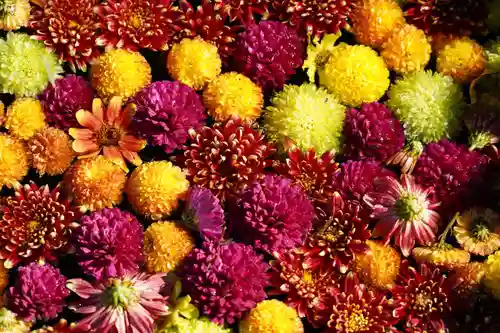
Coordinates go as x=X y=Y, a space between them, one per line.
x=442 y=238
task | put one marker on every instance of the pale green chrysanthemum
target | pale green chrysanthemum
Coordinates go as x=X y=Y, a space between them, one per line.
x=429 y=105
x=9 y=323
x=493 y=57
x=26 y=66
x=307 y=115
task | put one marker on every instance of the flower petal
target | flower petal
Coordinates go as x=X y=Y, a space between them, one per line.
x=82 y=288
x=113 y=153
x=98 y=109
x=131 y=156
x=84 y=146
x=88 y=120
x=114 y=108
x=131 y=143
x=81 y=133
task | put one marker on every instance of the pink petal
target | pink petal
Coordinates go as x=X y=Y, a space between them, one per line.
x=82 y=288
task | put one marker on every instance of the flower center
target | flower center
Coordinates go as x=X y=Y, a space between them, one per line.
x=423 y=303
x=409 y=208
x=136 y=19
x=33 y=225
x=355 y=320
x=120 y=294
x=307 y=277
x=481 y=231
x=109 y=135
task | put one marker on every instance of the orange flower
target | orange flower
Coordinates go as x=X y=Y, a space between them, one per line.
x=106 y=130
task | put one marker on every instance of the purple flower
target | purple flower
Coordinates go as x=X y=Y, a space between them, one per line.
x=38 y=293
x=109 y=243
x=166 y=111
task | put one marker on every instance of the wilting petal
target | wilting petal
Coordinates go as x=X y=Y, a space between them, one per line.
x=114 y=154
x=131 y=143
x=88 y=120
x=81 y=133
x=114 y=108
x=84 y=146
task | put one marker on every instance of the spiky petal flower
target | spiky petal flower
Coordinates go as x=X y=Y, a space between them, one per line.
x=120 y=305
x=67 y=28
x=226 y=157
x=478 y=231
x=244 y=11
x=225 y=281
x=405 y=212
x=36 y=222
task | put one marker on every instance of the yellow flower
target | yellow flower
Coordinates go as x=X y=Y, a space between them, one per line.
x=14 y=160
x=443 y=255
x=492 y=274
x=478 y=231
x=25 y=117
x=50 y=151
x=272 y=316
x=462 y=58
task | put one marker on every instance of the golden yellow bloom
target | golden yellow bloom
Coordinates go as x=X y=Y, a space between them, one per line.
x=50 y=151
x=443 y=255
x=492 y=274
x=14 y=160
x=478 y=231
x=472 y=276
x=272 y=316
x=25 y=117
x=462 y=58
x=15 y=14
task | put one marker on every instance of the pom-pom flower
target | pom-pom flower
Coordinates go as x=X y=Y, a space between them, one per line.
x=462 y=58
x=372 y=132
x=271 y=316
x=405 y=212
x=15 y=161
x=273 y=214
x=107 y=129
x=269 y=53
x=127 y=304
x=406 y=50
x=225 y=281
x=11 y=323
x=165 y=246
x=119 y=73
x=14 y=14
x=154 y=189
x=308 y=116
x=478 y=231
x=355 y=74
x=25 y=117
x=165 y=112
x=134 y=25
x=226 y=157
x=441 y=255
x=95 y=183
x=67 y=28
x=373 y=21
x=50 y=151
x=64 y=98
x=39 y=292
x=27 y=66
x=194 y=62
x=36 y=222
x=109 y=244
x=233 y=95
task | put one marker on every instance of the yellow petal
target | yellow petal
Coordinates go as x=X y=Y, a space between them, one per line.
x=98 y=109
x=81 y=133
x=84 y=146
x=88 y=120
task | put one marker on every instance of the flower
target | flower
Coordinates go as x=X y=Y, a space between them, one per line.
x=27 y=65
x=492 y=274
x=14 y=14
x=372 y=132
x=493 y=56
x=203 y=212
x=307 y=115
x=233 y=95
x=484 y=127
x=406 y=50
x=471 y=275
x=50 y=151
x=379 y=267
x=119 y=73
x=244 y=11
x=4 y=277
x=269 y=53
x=64 y=98
x=272 y=214
x=134 y=25
x=36 y=223
x=271 y=316
x=442 y=255
x=109 y=244
x=226 y=157
x=165 y=112
x=10 y=323
x=61 y=327
x=107 y=129
x=405 y=212
x=25 y=117
x=95 y=183
x=165 y=246
x=154 y=189
x=195 y=325
x=194 y=62
x=478 y=231
x=359 y=309
x=68 y=29
x=39 y=292
x=120 y=305
x=14 y=161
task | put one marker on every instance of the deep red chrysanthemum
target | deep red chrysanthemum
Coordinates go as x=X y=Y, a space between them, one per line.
x=69 y=28
x=226 y=157
x=245 y=10
x=135 y=24
x=36 y=222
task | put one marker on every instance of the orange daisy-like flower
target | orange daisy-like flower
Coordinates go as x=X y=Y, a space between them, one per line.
x=106 y=130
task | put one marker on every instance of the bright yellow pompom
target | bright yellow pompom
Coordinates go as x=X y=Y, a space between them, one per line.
x=407 y=50
x=373 y=21
x=15 y=14
x=14 y=160
x=95 y=183
x=272 y=316
x=51 y=151
x=154 y=189
x=120 y=73
x=233 y=94
x=194 y=62
x=166 y=244
x=462 y=58
x=25 y=117
x=492 y=274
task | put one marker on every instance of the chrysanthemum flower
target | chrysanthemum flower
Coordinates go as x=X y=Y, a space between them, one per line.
x=271 y=316
x=15 y=161
x=483 y=123
x=244 y=11
x=39 y=292
x=67 y=28
x=4 y=277
x=25 y=117
x=226 y=157
x=121 y=305
x=405 y=212
x=478 y=231
x=11 y=323
x=50 y=151
x=441 y=255
x=14 y=14
x=36 y=222
x=107 y=129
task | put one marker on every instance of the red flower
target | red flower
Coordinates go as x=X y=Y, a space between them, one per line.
x=245 y=10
